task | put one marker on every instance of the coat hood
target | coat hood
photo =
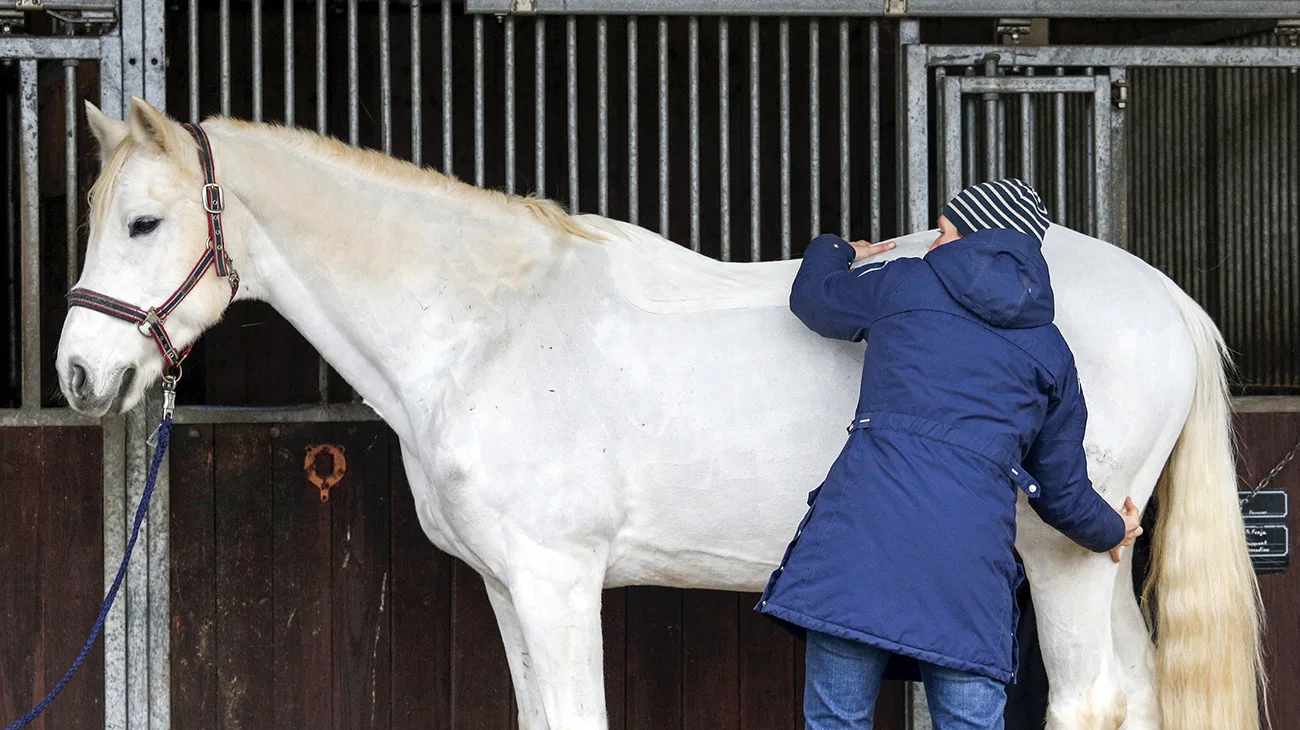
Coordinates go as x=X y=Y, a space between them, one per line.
x=999 y=275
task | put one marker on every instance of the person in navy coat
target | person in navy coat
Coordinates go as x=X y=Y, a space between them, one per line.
x=969 y=396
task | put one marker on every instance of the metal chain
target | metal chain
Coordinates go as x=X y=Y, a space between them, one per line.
x=1271 y=474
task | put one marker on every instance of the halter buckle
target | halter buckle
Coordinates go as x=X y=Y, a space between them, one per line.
x=214 y=200
x=150 y=319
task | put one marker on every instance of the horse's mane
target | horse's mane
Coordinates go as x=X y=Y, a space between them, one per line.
x=391 y=168
x=369 y=161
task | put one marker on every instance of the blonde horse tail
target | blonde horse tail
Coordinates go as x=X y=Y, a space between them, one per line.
x=1208 y=616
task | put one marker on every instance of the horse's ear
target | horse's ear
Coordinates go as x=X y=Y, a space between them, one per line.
x=109 y=132
x=151 y=129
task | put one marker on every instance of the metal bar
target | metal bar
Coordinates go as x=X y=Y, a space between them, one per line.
x=1058 y=102
x=914 y=8
x=417 y=90
x=1027 y=146
x=257 y=60
x=539 y=111
x=663 y=127
x=224 y=19
x=446 y=87
x=571 y=54
x=136 y=585
x=694 y=92
x=43 y=417
x=755 y=192
x=969 y=141
x=1118 y=179
x=633 y=153
x=480 y=152
x=51 y=48
x=602 y=115
x=30 y=202
x=114 y=521
x=12 y=255
x=990 y=125
x=724 y=137
x=158 y=619
x=873 y=124
x=1102 y=152
x=385 y=79
x=1024 y=84
x=72 y=206
x=952 y=178
x=193 y=50
x=354 y=77
x=322 y=115
x=511 y=152
x=1087 y=169
x=340 y=413
x=814 y=129
x=289 y=95
x=844 y=151
x=1153 y=56
x=784 y=76
x=914 y=146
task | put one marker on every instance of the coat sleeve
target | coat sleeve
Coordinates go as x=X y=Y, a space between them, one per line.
x=1068 y=501
x=837 y=302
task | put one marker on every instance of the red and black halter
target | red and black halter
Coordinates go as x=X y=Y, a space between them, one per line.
x=150 y=322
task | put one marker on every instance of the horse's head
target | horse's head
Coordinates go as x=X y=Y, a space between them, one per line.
x=148 y=227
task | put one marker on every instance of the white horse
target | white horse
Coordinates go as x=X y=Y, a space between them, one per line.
x=582 y=404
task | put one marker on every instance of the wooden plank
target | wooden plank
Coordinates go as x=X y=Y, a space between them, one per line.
x=22 y=660
x=286 y=369
x=226 y=358
x=421 y=618
x=301 y=564
x=654 y=658
x=480 y=683
x=768 y=698
x=193 y=580
x=361 y=548
x=1267 y=439
x=613 y=620
x=72 y=536
x=243 y=567
x=710 y=653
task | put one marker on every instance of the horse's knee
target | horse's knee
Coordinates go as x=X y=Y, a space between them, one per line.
x=1104 y=706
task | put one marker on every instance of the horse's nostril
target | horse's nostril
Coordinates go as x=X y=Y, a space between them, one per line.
x=78 y=382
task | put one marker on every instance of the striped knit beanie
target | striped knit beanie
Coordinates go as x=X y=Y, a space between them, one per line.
x=1007 y=204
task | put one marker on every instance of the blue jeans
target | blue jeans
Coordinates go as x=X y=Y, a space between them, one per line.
x=843 y=680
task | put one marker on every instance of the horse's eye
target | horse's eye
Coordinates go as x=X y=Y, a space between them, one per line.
x=143 y=226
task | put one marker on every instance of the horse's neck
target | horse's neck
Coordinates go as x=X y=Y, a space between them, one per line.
x=399 y=285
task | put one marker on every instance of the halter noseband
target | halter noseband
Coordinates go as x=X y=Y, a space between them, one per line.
x=150 y=322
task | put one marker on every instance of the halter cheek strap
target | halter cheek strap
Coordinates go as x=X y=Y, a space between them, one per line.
x=150 y=321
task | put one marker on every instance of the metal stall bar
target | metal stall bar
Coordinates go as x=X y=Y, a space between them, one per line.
x=30 y=231
x=193 y=37
x=1027 y=146
x=354 y=77
x=446 y=86
x=224 y=34
x=12 y=255
x=72 y=206
x=1156 y=56
x=539 y=111
x=321 y=110
x=914 y=8
x=784 y=78
x=693 y=71
x=480 y=150
x=571 y=53
x=814 y=127
x=51 y=48
x=913 y=146
x=417 y=81
x=663 y=127
x=951 y=178
x=845 y=209
x=511 y=151
x=633 y=153
x=755 y=193
x=385 y=80
x=1102 y=152
x=724 y=137
x=602 y=115
x=1058 y=131
x=257 y=60
x=873 y=123
x=289 y=94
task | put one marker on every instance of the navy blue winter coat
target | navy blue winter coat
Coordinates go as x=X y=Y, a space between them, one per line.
x=969 y=393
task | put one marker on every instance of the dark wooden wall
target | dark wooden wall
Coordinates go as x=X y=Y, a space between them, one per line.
x=51 y=572
x=289 y=612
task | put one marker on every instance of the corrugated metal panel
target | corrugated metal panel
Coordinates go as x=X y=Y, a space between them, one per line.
x=1213 y=194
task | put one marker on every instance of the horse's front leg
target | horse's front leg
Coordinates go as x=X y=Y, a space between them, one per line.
x=527 y=693
x=556 y=597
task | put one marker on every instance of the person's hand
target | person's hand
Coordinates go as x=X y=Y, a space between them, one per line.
x=1132 y=527
x=866 y=249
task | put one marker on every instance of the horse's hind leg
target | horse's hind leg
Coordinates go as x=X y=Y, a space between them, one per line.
x=527 y=692
x=1072 y=592
x=557 y=600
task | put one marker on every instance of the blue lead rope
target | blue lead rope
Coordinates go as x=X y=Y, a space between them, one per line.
x=164 y=436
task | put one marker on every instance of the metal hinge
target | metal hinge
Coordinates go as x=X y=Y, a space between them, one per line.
x=523 y=7
x=895 y=7
x=1288 y=29
x=1012 y=30
x=1119 y=94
